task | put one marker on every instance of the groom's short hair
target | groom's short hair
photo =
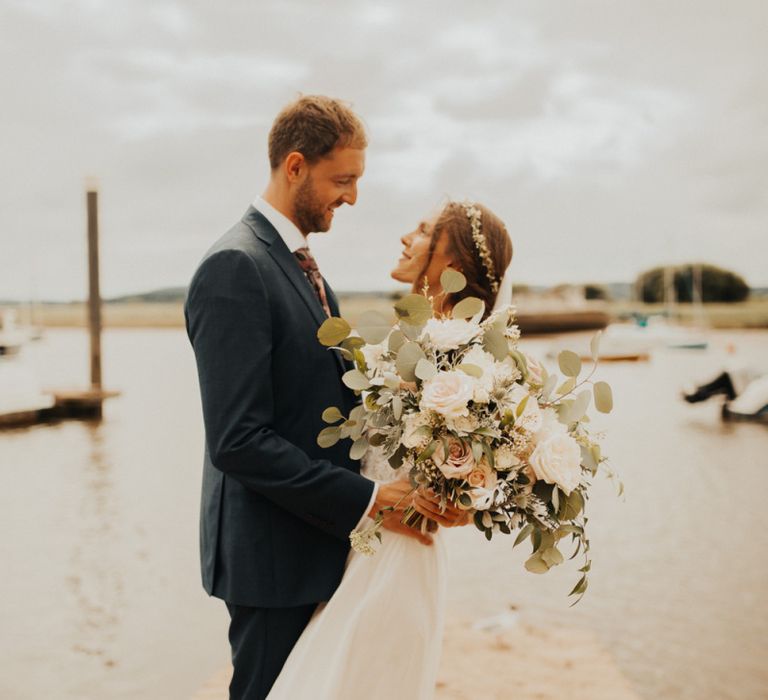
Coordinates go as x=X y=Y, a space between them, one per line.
x=314 y=125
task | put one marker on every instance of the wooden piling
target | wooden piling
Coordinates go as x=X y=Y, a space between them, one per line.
x=94 y=292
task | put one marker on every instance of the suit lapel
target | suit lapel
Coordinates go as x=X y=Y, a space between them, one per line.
x=287 y=262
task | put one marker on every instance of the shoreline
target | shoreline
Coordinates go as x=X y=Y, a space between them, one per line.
x=746 y=315
x=524 y=662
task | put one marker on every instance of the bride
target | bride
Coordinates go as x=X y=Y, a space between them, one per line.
x=380 y=635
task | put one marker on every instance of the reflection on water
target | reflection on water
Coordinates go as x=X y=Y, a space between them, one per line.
x=101 y=592
x=95 y=582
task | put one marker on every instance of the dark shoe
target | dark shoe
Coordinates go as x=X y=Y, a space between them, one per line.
x=722 y=384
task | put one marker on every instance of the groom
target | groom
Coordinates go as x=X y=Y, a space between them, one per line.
x=277 y=510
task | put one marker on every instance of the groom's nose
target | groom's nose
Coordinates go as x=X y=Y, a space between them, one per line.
x=350 y=195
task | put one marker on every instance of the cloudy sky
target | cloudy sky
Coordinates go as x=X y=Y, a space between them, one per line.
x=609 y=136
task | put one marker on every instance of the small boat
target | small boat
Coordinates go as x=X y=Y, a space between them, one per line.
x=21 y=397
x=11 y=336
x=751 y=404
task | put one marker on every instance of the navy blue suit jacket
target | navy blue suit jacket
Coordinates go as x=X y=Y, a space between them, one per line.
x=276 y=508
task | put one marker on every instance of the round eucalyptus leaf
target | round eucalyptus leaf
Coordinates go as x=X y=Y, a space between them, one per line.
x=352 y=343
x=414 y=309
x=396 y=340
x=333 y=331
x=356 y=380
x=495 y=343
x=467 y=308
x=594 y=345
x=332 y=415
x=328 y=437
x=452 y=281
x=425 y=370
x=570 y=363
x=536 y=565
x=407 y=359
x=471 y=370
x=358 y=449
x=373 y=327
x=603 y=397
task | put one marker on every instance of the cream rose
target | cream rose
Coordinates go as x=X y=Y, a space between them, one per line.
x=458 y=462
x=483 y=480
x=557 y=460
x=462 y=424
x=448 y=393
x=449 y=334
x=411 y=424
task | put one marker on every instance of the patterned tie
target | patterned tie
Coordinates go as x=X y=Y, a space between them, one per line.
x=312 y=272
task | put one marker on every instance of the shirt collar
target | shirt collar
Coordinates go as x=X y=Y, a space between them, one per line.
x=288 y=231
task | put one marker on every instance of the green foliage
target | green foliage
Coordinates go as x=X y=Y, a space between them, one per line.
x=495 y=343
x=407 y=359
x=333 y=331
x=603 y=397
x=328 y=437
x=414 y=309
x=717 y=284
x=373 y=327
x=569 y=362
x=356 y=380
x=452 y=281
x=332 y=415
x=468 y=307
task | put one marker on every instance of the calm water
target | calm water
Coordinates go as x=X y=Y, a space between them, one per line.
x=101 y=595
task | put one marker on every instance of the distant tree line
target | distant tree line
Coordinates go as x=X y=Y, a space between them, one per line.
x=717 y=284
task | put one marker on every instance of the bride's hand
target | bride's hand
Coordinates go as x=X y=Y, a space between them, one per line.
x=398 y=495
x=428 y=504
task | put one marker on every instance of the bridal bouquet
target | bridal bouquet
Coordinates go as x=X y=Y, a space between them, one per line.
x=453 y=402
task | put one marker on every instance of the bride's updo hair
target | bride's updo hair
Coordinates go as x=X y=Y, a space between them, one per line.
x=455 y=223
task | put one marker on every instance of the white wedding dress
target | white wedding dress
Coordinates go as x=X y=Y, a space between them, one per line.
x=380 y=635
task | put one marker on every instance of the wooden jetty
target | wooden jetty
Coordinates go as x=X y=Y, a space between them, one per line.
x=55 y=404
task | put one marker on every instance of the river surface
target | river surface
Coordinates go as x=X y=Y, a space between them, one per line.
x=100 y=588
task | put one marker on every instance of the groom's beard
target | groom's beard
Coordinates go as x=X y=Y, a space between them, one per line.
x=310 y=214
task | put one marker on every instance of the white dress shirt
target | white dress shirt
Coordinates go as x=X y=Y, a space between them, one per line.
x=295 y=239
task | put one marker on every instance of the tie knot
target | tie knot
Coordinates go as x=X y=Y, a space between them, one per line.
x=307 y=262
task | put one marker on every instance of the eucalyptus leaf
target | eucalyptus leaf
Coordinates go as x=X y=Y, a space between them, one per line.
x=520 y=361
x=428 y=451
x=521 y=406
x=411 y=331
x=414 y=309
x=594 y=345
x=580 y=405
x=407 y=359
x=536 y=565
x=468 y=308
x=333 y=331
x=570 y=363
x=397 y=407
x=356 y=380
x=373 y=327
x=552 y=556
x=567 y=386
x=495 y=343
x=425 y=370
x=332 y=415
x=471 y=370
x=396 y=340
x=396 y=460
x=358 y=449
x=328 y=437
x=571 y=506
x=603 y=397
x=352 y=343
x=549 y=385
x=452 y=281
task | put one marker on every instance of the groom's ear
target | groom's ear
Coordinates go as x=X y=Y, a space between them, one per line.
x=294 y=166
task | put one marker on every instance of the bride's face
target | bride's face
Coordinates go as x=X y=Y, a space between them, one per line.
x=410 y=266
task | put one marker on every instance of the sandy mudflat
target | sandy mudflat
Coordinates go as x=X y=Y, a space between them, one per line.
x=521 y=663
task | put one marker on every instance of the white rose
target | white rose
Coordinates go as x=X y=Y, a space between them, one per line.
x=448 y=393
x=372 y=354
x=462 y=424
x=505 y=458
x=411 y=423
x=557 y=460
x=550 y=425
x=449 y=334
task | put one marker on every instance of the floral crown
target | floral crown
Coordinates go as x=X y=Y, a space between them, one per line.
x=475 y=217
